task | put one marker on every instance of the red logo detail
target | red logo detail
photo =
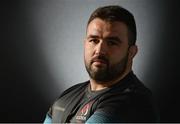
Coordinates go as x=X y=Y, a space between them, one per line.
x=85 y=109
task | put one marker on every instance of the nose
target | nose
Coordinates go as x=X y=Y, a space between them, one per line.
x=101 y=48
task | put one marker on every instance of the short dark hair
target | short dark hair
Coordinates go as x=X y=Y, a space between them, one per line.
x=117 y=13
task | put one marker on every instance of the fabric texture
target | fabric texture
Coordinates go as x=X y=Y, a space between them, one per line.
x=126 y=101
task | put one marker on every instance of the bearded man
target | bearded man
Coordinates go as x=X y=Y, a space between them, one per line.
x=113 y=92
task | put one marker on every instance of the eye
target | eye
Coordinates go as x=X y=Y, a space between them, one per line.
x=94 y=40
x=112 y=42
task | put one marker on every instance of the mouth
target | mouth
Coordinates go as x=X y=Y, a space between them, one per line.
x=99 y=62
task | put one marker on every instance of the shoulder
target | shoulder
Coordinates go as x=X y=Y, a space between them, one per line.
x=75 y=88
x=129 y=92
x=127 y=89
x=131 y=101
x=66 y=98
x=69 y=94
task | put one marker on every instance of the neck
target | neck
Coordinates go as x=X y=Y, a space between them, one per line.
x=97 y=85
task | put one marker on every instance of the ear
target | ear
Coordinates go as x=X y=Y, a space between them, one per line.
x=133 y=51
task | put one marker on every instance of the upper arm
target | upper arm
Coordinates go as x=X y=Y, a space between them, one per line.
x=130 y=109
x=47 y=120
x=102 y=117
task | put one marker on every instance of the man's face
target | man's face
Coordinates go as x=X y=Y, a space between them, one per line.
x=106 y=49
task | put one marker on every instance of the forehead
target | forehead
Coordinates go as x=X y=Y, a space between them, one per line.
x=102 y=27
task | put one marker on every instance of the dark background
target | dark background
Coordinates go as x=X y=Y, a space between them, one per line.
x=24 y=98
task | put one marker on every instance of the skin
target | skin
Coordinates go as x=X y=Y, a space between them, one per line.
x=110 y=40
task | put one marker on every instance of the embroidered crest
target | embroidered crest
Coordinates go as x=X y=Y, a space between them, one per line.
x=82 y=115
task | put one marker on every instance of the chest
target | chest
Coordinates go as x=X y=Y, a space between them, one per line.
x=75 y=107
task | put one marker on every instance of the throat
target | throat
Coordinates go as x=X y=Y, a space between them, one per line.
x=97 y=87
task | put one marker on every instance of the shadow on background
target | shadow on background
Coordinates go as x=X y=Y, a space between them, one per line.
x=23 y=68
x=165 y=70
x=25 y=79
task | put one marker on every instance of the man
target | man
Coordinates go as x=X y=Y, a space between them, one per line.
x=113 y=93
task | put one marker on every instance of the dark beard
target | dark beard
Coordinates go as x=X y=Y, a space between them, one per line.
x=110 y=72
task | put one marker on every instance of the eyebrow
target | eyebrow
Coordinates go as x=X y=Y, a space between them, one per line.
x=114 y=38
x=92 y=36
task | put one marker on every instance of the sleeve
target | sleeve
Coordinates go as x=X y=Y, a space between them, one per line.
x=102 y=117
x=47 y=120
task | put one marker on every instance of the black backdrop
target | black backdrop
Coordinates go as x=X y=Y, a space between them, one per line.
x=21 y=100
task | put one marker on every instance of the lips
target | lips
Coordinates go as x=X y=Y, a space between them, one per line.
x=100 y=61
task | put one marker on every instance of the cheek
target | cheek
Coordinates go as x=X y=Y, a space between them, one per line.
x=117 y=56
x=88 y=49
x=87 y=53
